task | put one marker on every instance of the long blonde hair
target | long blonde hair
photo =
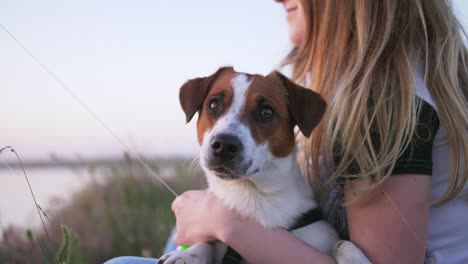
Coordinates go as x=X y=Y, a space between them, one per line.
x=363 y=56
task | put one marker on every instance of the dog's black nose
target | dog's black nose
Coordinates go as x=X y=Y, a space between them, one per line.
x=225 y=146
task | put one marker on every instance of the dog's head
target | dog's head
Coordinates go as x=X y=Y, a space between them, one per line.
x=246 y=121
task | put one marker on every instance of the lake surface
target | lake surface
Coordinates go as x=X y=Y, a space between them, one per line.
x=52 y=186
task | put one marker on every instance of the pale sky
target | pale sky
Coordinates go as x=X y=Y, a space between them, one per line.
x=126 y=60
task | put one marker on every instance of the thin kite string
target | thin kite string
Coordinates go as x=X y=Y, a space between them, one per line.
x=404 y=219
x=88 y=109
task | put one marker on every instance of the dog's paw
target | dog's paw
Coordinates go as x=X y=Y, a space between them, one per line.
x=182 y=257
x=345 y=252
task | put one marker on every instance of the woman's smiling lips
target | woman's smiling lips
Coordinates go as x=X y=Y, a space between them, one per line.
x=291 y=9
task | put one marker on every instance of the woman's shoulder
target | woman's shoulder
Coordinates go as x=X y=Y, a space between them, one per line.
x=423 y=92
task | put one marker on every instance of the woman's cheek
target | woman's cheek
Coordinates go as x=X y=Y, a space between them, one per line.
x=296 y=22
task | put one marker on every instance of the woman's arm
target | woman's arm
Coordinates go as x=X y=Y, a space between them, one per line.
x=259 y=245
x=392 y=226
x=201 y=217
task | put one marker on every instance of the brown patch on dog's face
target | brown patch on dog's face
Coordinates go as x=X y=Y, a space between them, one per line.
x=263 y=95
x=222 y=91
x=267 y=115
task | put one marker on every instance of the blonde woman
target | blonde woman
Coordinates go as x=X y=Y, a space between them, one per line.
x=394 y=73
x=392 y=147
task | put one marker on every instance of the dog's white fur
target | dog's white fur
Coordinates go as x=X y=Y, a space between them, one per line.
x=272 y=192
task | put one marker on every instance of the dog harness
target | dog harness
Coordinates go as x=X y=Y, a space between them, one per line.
x=310 y=217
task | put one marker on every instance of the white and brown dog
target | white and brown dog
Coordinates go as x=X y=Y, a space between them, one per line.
x=246 y=132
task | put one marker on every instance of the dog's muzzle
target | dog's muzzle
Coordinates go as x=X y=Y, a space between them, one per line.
x=226 y=156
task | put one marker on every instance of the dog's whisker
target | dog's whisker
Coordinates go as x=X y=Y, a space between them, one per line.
x=195 y=161
x=194 y=166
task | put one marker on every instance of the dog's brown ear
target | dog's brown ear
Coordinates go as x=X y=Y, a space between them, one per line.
x=194 y=91
x=306 y=106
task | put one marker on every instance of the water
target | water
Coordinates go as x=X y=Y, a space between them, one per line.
x=52 y=187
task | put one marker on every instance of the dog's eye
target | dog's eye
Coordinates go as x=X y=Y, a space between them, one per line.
x=266 y=112
x=215 y=106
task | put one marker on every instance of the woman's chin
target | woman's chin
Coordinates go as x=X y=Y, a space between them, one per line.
x=295 y=37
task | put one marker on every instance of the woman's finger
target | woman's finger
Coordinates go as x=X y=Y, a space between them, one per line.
x=179 y=200
x=180 y=239
x=175 y=203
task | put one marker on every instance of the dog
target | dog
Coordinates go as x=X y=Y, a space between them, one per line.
x=246 y=132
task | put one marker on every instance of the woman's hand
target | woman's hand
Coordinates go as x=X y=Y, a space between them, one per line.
x=201 y=217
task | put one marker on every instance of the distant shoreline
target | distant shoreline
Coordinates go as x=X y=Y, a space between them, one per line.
x=103 y=162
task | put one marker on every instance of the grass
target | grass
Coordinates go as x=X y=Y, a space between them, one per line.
x=122 y=211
